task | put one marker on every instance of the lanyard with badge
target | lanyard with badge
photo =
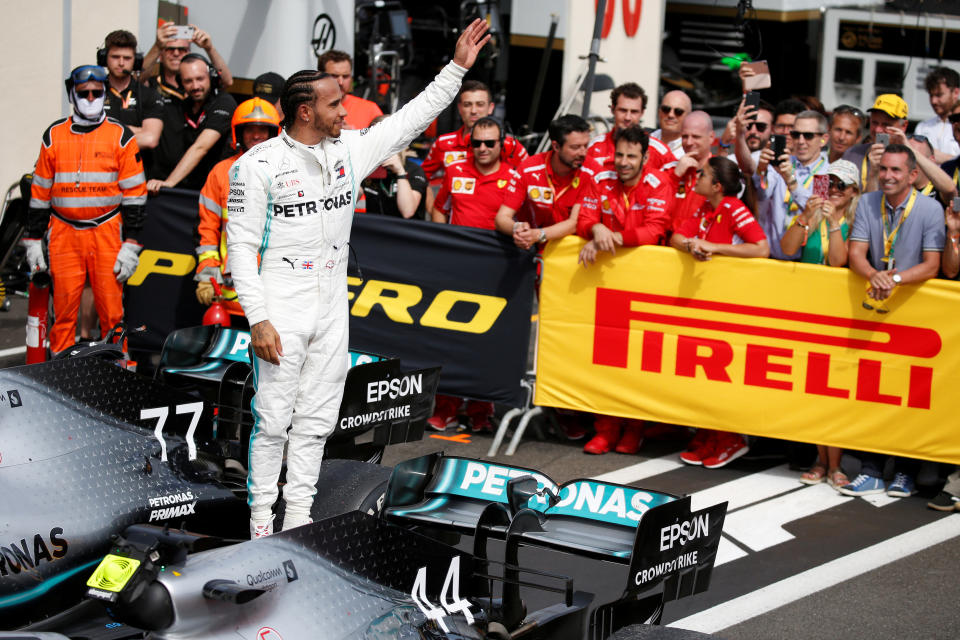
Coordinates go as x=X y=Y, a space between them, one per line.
x=825 y=238
x=890 y=237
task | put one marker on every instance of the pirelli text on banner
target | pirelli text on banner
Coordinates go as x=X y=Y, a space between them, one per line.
x=769 y=348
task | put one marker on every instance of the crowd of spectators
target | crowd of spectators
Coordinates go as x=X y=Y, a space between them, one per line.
x=791 y=181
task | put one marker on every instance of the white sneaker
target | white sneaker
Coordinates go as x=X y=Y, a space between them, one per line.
x=291 y=521
x=261 y=528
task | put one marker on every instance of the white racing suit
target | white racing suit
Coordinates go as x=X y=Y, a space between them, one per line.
x=292 y=206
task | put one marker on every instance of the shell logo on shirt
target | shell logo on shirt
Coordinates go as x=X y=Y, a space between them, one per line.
x=463 y=185
x=452 y=156
x=605 y=205
x=501 y=184
x=538 y=194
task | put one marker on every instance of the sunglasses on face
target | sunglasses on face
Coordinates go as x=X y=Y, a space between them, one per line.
x=176 y=49
x=759 y=126
x=90 y=94
x=665 y=110
x=837 y=183
x=807 y=135
x=490 y=144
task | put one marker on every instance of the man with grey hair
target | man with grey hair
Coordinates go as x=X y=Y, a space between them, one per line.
x=785 y=184
x=673 y=109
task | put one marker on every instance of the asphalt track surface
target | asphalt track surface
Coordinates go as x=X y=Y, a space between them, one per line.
x=796 y=562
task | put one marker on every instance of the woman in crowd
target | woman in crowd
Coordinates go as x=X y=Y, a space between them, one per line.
x=821 y=231
x=711 y=231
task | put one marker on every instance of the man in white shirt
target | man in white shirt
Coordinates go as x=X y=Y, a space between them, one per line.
x=943 y=86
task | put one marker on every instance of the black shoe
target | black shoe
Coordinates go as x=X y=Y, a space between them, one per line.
x=945 y=502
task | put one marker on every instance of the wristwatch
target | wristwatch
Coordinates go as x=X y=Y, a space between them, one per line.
x=403 y=176
x=896 y=278
x=543 y=237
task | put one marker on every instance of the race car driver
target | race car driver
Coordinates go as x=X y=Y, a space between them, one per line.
x=254 y=121
x=291 y=208
x=88 y=179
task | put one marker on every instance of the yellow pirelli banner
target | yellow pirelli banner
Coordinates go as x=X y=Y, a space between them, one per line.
x=778 y=349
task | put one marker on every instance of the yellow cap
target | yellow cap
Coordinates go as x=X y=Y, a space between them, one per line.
x=892 y=105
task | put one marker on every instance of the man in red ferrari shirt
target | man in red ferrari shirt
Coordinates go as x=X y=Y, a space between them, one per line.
x=541 y=199
x=473 y=191
x=697 y=136
x=711 y=231
x=474 y=102
x=625 y=207
x=627 y=104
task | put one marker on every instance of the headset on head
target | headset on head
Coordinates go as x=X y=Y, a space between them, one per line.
x=102 y=58
x=211 y=70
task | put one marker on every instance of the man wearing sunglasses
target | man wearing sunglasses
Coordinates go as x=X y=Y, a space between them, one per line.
x=88 y=190
x=627 y=104
x=169 y=52
x=472 y=193
x=673 y=108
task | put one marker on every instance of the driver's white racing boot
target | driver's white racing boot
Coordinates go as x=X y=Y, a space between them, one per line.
x=261 y=528
x=291 y=520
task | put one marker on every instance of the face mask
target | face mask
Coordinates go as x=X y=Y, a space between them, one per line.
x=89 y=110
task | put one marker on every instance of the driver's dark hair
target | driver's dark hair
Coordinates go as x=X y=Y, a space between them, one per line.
x=474 y=85
x=790 y=106
x=120 y=39
x=905 y=150
x=488 y=122
x=727 y=174
x=297 y=90
x=629 y=90
x=565 y=125
x=946 y=75
x=633 y=134
x=334 y=56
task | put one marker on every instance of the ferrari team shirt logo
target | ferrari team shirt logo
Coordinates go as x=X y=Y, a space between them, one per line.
x=463 y=185
x=452 y=156
x=540 y=194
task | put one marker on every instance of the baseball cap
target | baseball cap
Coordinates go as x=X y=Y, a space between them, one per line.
x=268 y=86
x=845 y=170
x=891 y=104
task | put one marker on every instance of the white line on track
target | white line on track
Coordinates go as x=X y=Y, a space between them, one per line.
x=641 y=470
x=781 y=593
x=12 y=351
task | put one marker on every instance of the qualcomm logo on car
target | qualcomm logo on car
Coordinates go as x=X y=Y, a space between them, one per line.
x=268 y=579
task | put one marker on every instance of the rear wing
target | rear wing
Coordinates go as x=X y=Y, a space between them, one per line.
x=655 y=533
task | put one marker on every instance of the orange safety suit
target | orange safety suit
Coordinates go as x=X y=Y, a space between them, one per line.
x=86 y=177
x=212 y=228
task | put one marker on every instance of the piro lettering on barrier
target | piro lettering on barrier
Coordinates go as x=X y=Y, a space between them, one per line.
x=396 y=299
x=163 y=262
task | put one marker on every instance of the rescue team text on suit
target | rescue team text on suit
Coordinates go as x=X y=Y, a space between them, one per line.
x=88 y=178
x=291 y=205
